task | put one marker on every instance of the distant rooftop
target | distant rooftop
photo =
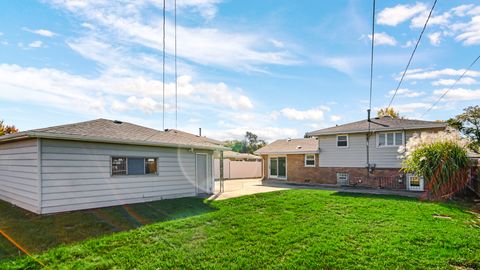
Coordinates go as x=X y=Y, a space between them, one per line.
x=290 y=146
x=114 y=131
x=236 y=155
x=379 y=124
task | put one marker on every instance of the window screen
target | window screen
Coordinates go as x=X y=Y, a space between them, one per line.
x=390 y=138
x=119 y=166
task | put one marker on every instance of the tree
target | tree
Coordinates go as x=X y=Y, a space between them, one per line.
x=441 y=159
x=5 y=129
x=253 y=143
x=468 y=123
x=388 y=112
x=249 y=145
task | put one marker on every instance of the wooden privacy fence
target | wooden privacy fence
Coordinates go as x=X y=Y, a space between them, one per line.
x=233 y=169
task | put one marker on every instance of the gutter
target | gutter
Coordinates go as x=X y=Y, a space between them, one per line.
x=313 y=133
x=45 y=135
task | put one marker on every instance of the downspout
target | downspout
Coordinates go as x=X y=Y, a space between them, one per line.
x=368 y=142
x=222 y=184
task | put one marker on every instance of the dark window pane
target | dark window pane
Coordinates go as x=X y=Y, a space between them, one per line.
x=282 y=168
x=342 y=141
x=119 y=166
x=273 y=166
x=150 y=166
x=136 y=166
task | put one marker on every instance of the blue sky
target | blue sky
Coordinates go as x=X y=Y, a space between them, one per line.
x=277 y=68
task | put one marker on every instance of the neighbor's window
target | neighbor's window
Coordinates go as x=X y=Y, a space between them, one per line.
x=342 y=141
x=119 y=166
x=390 y=139
x=133 y=166
x=309 y=160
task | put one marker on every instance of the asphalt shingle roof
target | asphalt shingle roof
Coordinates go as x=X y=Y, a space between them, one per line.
x=290 y=146
x=379 y=124
x=104 y=130
x=232 y=154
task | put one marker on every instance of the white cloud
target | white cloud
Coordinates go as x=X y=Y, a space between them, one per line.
x=422 y=75
x=267 y=133
x=419 y=21
x=336 y=118
x=411 y=107
x=294 y=114
x=462 y=10
x=459 y=94
x=36 y=44
x=202 y=45
x=470 y=32
x=41 y=32
x=69 y=92
x=206 y=8
x=448 y=82
x=384 y=39
x=403 y=92
x=435 y=38
x=399 y=13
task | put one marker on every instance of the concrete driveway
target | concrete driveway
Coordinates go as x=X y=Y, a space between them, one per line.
x=237 y=188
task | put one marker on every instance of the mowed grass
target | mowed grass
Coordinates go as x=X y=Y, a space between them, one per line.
x=309 y=229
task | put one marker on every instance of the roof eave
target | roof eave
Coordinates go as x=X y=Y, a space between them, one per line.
x=287 y=152
x=317 y=133
x=45 y=135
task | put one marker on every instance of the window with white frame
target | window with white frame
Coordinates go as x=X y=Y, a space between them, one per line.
x=386 y=139
x=310 y=160
x=342 y=140
x=133 y=166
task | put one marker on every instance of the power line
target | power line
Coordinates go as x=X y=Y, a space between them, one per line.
x=371 y=54
x=163 y=67
x=176 y=75
x=451 y=87
x=413 y=53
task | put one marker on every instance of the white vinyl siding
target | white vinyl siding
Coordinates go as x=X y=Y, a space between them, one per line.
x=19 y=177
x=77 y=175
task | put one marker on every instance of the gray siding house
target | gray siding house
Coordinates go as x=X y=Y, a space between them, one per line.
x=102 y=163
x=351 y=154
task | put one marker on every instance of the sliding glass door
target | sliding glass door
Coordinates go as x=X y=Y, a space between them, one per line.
x=278 y=167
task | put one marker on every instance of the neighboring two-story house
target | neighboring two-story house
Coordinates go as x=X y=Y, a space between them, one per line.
x=348 y=154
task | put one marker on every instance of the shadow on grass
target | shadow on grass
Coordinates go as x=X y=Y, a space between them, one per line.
x=450 y=204
x=37 y=233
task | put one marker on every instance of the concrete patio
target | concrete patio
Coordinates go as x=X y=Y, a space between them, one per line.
x=237 y=188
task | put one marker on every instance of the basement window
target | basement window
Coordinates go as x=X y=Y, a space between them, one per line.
x=310 y=160
x=133 y=166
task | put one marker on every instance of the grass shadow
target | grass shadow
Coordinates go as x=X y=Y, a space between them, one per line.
x=37 y=233
x=450 y=204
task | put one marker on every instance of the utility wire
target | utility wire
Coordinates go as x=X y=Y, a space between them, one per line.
x=176 y=75
x=413 y=53
x=163 y=67
x=451 y=87
x=371 y=54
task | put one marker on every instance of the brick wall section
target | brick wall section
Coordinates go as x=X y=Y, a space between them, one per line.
x=298 y=173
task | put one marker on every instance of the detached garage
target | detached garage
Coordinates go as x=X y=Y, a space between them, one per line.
x=102 y=163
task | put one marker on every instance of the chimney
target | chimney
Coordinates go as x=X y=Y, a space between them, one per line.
x=368 y=113
x=200 y=132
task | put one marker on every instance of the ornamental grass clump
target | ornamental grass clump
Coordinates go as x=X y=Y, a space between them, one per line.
x=441 y=159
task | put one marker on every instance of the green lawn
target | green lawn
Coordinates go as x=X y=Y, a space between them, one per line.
x=287 y=229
